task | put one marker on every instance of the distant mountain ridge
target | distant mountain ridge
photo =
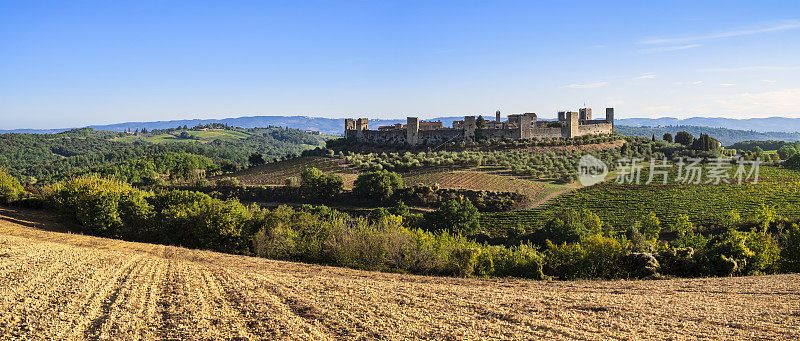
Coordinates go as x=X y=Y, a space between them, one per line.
x=331 y=126
x=724 y=135
x=335 y=126
x=769 y=124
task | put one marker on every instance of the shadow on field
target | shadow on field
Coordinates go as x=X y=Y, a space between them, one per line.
x=33 y=218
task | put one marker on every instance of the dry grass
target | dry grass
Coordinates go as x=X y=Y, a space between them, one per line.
x=475 y=180
x=58 y=285
x=276 y=173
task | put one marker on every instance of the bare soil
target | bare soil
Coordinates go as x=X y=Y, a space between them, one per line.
x=56 y=285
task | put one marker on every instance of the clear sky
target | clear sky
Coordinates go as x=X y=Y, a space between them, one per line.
x=74 y=63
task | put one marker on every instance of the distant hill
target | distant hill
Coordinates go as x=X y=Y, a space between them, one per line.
x=335 y=126
x=726 y=136
x=770 y=124
x=330 y=126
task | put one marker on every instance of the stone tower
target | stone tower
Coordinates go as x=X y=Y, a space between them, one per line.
x=497 y=116
x=525 y=122
x=362 y=124
x=469 y=128
x=610 y=116
x=584 y=114
x=412 y=131
x=571 y=124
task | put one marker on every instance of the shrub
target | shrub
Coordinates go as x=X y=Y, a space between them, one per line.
x=640 y=264
x=228 y=182
x=99 y=204
x=520 y=261
x=10 y=188
x=790 y=254
x=744 y=253
x=604 y=257
x=570 y=226
x=565 y=261
x=196 y=220
x=679 y=262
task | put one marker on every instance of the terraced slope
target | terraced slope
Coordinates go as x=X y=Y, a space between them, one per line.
x=537 y=191
x=57 y=286
x=276 y=173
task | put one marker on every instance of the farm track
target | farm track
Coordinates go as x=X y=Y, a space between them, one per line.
x=66 y=286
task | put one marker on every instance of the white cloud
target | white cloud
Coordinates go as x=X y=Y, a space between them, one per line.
x=727 y=84
x=696 y=82
x=790 y=25
x=786 y=101
x=769 y=81
x=591 y=85
x=753 y=68
x=669 y=48
x=646 y=76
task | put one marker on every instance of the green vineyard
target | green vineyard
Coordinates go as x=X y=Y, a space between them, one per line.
x=623 y=204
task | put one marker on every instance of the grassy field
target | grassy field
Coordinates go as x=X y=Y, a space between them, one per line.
x=703 y=203
x=66 y=286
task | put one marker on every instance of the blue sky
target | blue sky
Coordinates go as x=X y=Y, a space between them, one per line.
x=74 y=63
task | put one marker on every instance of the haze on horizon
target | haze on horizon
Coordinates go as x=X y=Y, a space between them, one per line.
x=68 y=64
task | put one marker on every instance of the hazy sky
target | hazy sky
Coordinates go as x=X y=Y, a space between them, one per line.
x=74 y=63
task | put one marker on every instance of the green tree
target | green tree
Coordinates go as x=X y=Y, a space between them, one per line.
x=380 y=185
x=667 y=137
x=256 y=159
x=650 y=226
x=10 y=188
x=458 y=216
x=684 y=138
x=793 y=162
x=786 y=151
x=685 y=235
x=319 y=184
x=705 y=143
x=790 y=254
x=480 y=123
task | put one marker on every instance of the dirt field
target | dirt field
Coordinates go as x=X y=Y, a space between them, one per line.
x=59 y=285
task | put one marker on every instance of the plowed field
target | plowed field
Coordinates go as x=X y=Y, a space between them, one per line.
x=59 y=286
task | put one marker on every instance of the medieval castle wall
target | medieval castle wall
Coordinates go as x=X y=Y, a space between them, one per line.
x=524 y=126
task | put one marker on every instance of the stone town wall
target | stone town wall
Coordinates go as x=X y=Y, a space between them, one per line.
x=498 y=134
x=439 y=136
x=388 y=137
x=541 y=132
x=595 y=128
